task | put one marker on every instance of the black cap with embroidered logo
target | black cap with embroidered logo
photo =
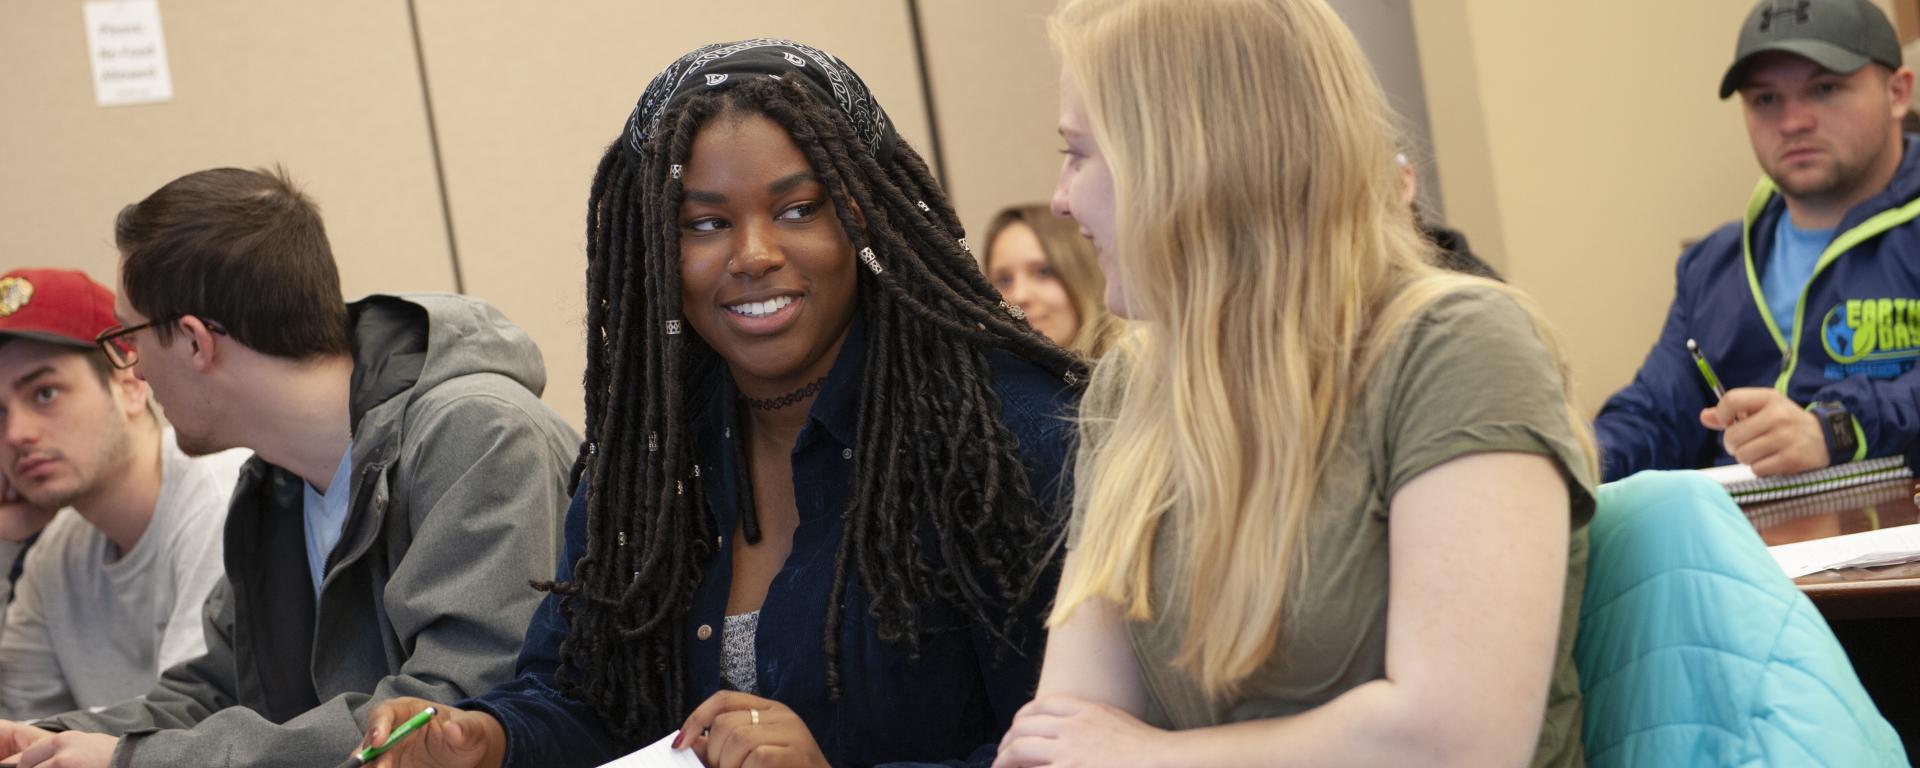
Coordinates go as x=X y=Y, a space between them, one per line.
x=1840 y=35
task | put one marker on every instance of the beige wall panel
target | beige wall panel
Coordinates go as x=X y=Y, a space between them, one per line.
x=1458 y=125
x=997 y=94
x=1384 y=29
x=1580 y=165
x=329 y=89
x=526 y=95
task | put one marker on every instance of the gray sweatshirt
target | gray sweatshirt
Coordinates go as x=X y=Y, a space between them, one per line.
x=89 y=625
x=459 y=488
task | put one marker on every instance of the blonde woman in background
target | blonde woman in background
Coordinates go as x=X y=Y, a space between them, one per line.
x=1045 y=266
x=1332 y=499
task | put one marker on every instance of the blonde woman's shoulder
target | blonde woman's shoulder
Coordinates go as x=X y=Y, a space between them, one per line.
x=1465 y=302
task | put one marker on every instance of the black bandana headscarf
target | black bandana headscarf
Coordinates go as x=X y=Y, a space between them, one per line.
x=715 y=66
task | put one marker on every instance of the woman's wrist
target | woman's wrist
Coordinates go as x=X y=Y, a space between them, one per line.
x=1172 y=749
x=495 y=736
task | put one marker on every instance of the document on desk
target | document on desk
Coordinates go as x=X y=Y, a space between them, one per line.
x=659 y=754
x=1887 y=546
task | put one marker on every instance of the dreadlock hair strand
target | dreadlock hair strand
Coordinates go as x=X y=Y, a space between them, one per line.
x=934 y=462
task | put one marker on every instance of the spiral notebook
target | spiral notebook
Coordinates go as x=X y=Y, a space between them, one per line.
x=1887 y=494
x=1746 y=487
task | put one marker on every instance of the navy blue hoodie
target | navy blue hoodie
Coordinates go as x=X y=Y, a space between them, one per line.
x=1858 y=334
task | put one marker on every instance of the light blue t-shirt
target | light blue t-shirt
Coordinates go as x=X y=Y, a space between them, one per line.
x=326 y=516
x=1795 y=252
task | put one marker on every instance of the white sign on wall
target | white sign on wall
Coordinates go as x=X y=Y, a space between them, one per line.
x=129 y=53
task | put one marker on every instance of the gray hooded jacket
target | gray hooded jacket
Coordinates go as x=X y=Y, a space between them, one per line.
x=458 y=492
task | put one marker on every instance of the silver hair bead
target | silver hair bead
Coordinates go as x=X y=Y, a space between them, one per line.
x=653 y=441
x=1018 y=313
x=679 y=488
x=872 y=261
x=964 y=246
x=673 y=327
x=623 y=538
x=923 y=206
x=675 y=170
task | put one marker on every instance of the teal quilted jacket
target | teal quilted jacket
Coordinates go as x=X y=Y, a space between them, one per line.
x=1695 y=650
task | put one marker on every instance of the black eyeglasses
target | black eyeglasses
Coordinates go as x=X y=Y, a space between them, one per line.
x=120 y=351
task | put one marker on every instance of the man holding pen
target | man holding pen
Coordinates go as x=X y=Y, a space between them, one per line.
x=407 y=485
x=1809 y=307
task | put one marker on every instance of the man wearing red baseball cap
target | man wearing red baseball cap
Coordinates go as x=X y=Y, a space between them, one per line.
x=140 y=548
x=408 y=484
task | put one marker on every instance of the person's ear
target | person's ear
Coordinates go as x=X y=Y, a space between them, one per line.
x=1900 y=91
x=859 y=216
x=202 y=343
x=130 y=392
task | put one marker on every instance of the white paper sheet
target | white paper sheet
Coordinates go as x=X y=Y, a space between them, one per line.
x=128 y=51
x=1887 y=546
x=659 y=754
x=1728 y=474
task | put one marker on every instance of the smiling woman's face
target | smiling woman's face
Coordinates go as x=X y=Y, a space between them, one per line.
x=767 y=276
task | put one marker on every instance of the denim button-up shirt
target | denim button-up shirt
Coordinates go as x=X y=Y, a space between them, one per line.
x=949 y=706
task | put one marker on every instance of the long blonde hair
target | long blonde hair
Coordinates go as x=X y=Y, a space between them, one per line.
x=1070 y=254
x=1262 y=239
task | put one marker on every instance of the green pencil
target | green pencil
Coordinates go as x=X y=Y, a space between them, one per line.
x=368 y=755
x=1706 y=370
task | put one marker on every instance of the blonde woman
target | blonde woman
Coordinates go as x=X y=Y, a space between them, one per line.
x=1331 y=502
x=1044 y=265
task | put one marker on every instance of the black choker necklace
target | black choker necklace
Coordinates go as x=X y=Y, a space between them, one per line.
x=777 y=403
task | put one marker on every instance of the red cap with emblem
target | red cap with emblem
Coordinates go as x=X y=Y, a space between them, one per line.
x=62 y=306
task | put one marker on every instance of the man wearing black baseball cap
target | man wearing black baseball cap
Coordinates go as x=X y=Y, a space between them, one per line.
x=1809 y=307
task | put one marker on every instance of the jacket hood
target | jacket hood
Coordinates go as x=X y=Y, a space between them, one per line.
x=1906 y=181
x=413 y=341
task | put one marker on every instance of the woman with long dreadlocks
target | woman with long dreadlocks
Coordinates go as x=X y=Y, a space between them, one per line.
x=818 y=516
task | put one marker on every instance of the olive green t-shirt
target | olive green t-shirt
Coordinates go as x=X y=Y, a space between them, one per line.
x=1468 y=375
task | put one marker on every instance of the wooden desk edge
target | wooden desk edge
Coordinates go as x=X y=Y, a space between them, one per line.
x=1880 y=598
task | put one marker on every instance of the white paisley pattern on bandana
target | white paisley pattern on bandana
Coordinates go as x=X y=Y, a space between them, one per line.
x=827 y=73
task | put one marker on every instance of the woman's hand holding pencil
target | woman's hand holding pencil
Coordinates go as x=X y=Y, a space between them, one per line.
x=448 y=738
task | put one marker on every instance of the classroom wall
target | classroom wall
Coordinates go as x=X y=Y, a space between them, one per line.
x=1581 y=144
x=509 y=103
x=1384 y=29
x=526 y=96
x=329 y=89
x=1576 y=144
x=996 y=91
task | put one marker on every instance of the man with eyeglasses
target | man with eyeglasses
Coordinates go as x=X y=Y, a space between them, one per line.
x=407 y=486
x=113 y=592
